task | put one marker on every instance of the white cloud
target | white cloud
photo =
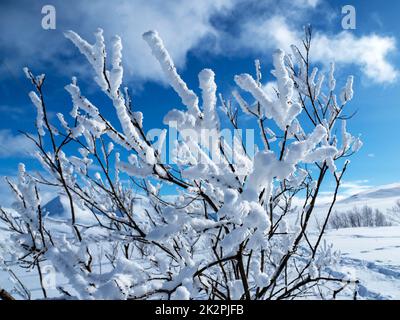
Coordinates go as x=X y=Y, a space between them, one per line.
x=368 y=52
x=349 y=188
x=181 y=24
x=185 y=25
x=15 y=145
x=270 y=34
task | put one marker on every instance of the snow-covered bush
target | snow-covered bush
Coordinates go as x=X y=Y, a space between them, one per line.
x=227 y=232
x=358 y=217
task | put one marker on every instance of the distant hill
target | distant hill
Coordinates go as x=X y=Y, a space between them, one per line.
x=55 y=207
x=380 y=192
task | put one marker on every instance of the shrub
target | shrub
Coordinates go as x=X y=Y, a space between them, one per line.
x=358 y=217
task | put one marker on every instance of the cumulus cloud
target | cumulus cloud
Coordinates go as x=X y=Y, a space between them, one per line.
x=223 y=26
x=270 y=34
x=180 y=23
x=368 y=52
x=15 y=145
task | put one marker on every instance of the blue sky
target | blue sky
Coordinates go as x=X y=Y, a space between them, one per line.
x=224 y=35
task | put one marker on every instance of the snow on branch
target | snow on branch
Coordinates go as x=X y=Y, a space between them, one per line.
x=209 y=97
x=217 y=219
x=95 y=54
x=189 y=98
x=284 y=112
x=39 y=112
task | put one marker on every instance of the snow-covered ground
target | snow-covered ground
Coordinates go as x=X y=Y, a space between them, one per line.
x=371 y=255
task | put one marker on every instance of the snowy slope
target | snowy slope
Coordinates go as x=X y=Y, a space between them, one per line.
x=383 y=192
x=382 y=198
